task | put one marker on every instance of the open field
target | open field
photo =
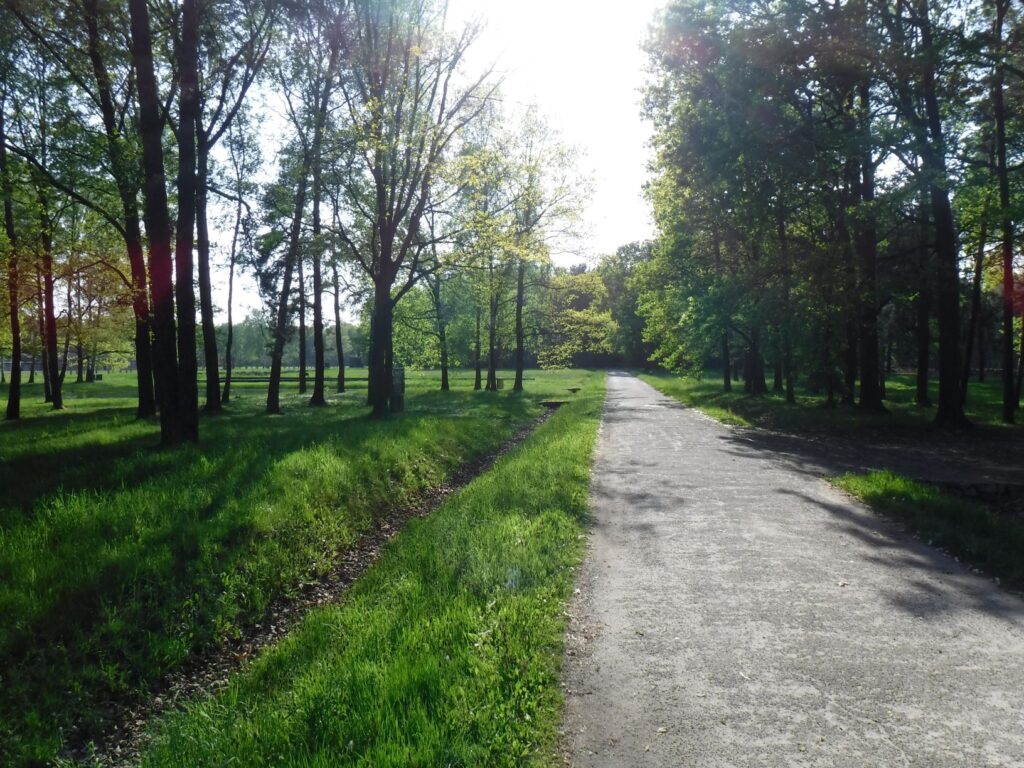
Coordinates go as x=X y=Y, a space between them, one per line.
x=118 y=560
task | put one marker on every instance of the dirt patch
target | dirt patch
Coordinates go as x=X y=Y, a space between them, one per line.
x=207 y=673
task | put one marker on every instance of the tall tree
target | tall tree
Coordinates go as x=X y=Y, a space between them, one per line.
x=405 y=104
x=158 y=227
x=234 y=39
x=7 y=189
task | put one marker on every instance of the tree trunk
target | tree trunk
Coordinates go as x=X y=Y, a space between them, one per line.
x=41 y=322
x=337 y=329
x=923 y=307
x=442 y=328
x=726 y=364
x=867 y=247
x=14 y=389
x=981 y=355
x=184 y=288
x=476 y=356
x=318 y=311
x=847 y=193
x=754 y=382
x=1006 y=218
x=50 y=315
x=281 y=326
x=229 y=341
x=1020 y=364
x=380 y=353
x=210 y=358
x=492 y=344
x=300 y=287
x=972 y=319
x=319 y=364
x=950 y=410
x=520 y=333
x=777 y=387
x=127 y=191
x=158 y=224
x=850 y=367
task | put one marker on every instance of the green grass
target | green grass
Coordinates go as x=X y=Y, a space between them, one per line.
x=117 y=559
x=771 y=411
x=446 y=652
x=992 y=542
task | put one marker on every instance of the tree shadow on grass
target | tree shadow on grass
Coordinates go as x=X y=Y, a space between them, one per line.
x=101 y=596
x=941 y=586
x=939 y=458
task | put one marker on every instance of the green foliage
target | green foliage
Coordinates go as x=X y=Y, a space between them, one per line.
x=578 y=325
x=446 y=652
x=968 y=530
x=618 y=272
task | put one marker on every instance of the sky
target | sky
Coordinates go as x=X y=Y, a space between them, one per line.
x=580 y=63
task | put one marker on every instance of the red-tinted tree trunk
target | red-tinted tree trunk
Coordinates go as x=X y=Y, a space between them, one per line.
x=1006 y=219
x=128 y=193
x=158 y=225
x=14 y=388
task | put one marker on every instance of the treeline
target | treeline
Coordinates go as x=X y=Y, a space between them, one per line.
x=838 y=188
x=134 y=139
x=516 y=314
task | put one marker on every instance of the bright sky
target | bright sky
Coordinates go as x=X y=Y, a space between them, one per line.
x=580 y=62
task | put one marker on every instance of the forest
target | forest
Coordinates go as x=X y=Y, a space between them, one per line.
x=837 y=192
x=311 y=367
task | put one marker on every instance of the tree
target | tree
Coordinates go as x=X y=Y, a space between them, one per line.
x=158 y=228
x=405 y=105
x=578 y=325
x=234 y=39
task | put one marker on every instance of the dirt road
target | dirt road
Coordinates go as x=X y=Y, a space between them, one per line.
x=734 y=611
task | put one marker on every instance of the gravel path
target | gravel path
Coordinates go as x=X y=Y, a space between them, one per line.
x=734 y=611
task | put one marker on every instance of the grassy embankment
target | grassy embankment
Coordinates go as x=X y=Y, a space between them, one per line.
x=771 y=411
x=117 y=560
x=445 y=653
x=990 y=541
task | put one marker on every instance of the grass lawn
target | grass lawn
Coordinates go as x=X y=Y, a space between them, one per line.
x=117 y=559
x=969 y=530
x=771 y=411
x=446 y=652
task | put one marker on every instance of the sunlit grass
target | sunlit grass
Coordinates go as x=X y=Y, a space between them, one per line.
x=969 y=530
x=117 y=559
x=445 y=653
